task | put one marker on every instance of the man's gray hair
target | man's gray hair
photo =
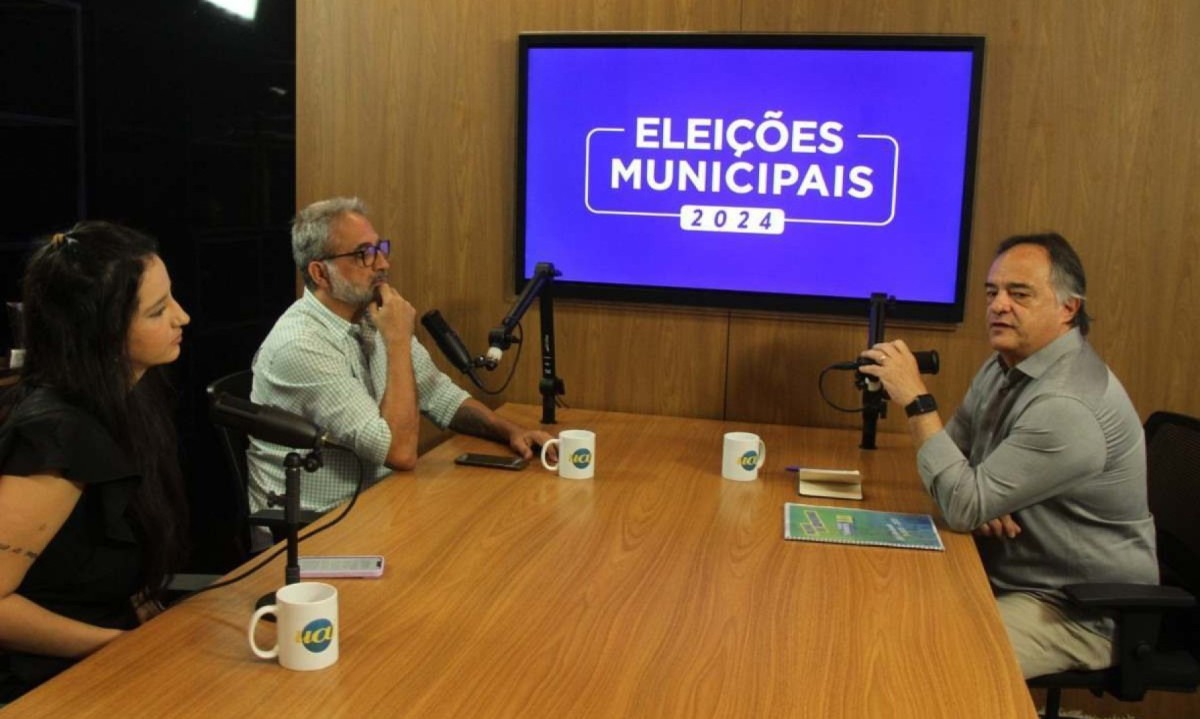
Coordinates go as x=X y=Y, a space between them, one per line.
x=312 y=228
x=1066 y=271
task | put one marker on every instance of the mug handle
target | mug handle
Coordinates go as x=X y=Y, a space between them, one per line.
x=545 y=447
x=762 y=453
x=260 y=653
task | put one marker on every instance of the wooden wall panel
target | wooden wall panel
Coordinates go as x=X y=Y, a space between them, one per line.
x=649 y=361
x=1089 y=127
x=776 y=364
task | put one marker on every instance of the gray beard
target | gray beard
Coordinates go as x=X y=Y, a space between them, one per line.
x=343 y=291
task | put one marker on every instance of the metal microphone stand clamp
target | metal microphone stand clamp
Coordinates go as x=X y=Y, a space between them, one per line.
x=290 y=501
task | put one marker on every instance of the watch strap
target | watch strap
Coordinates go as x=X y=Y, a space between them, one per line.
x=923 y=404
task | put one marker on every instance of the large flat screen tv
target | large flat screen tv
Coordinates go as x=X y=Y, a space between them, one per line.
x=778 y=172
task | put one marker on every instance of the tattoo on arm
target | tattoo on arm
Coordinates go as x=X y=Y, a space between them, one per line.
x=468 y=420
x=28 y=554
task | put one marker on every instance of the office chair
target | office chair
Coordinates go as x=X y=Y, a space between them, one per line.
x=1158 y=627
x=234 y=443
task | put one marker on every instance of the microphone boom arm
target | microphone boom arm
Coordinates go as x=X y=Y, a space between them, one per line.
x=543 y=275
x=874 y=405
x=541 y=287
x=874 y=398
x=278 y=426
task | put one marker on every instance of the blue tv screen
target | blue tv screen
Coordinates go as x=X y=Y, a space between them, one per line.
x=795 y=173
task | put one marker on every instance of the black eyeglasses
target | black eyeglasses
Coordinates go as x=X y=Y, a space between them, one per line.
x=367 y=254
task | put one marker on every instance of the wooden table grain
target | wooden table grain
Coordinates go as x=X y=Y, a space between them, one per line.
x=656 y=589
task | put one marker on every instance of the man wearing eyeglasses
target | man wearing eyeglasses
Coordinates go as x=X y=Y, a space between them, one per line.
x=344 y=356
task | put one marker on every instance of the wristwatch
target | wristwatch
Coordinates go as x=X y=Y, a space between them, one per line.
x=923 y=404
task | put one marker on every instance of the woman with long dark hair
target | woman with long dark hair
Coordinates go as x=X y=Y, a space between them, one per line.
x=92 y=516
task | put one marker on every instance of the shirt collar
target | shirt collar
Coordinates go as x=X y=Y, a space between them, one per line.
x=1036 y=364
x=328 y=317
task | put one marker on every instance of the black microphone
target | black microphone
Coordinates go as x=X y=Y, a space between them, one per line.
x=928 y=362
x=270 y=424
x=450 y=344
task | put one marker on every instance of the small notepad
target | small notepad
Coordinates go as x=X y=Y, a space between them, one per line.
x=831 y=483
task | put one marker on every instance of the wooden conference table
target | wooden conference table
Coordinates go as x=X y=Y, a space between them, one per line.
x=656 y=589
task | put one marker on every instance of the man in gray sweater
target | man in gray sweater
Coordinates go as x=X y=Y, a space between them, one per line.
x=1045 y=459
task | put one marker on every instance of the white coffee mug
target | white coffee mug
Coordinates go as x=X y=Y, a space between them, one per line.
x=16 y=358
x=306 y=620
x=576 y=454
x=744 y=454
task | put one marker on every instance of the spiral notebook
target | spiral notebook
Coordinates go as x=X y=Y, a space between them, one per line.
x=840 y=525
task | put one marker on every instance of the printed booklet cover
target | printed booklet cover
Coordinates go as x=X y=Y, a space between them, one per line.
x=841 y=525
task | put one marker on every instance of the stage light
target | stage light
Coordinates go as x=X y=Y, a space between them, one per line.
x=242 y=8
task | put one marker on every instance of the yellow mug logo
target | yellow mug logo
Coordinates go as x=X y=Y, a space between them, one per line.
x=748 y=461
x=316 y=636
x=581 y=458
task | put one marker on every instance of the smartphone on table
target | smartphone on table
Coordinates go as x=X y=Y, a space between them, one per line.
x=494 y=461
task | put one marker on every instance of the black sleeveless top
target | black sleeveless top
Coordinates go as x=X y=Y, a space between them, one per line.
x=93 y=565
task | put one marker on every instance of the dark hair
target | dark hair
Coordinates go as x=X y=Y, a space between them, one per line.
x=79 y=297
x=1066 y=271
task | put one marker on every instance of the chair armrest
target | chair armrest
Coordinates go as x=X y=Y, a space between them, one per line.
x=1142 y=663
x=1128 y=596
